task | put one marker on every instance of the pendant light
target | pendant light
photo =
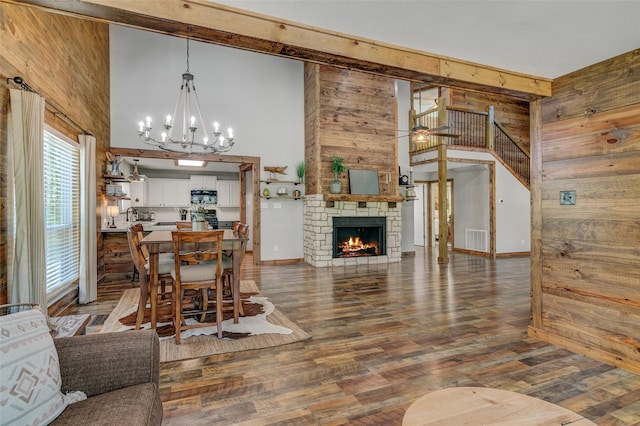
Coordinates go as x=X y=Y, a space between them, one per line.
x=136 y=176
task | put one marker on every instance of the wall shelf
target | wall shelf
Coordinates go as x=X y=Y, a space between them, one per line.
x=109 y=179
x=114 y=178
x=407 y=187
x=277 y=197
x=273 y=194
x=290 y=182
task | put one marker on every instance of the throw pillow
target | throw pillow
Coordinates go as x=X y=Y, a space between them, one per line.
x=29 y=371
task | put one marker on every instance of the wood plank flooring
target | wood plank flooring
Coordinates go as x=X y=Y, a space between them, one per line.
x=382 y=336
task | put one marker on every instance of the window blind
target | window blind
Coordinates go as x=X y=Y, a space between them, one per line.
x=62 y=212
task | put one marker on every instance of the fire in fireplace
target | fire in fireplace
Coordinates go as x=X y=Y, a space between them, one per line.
x=359 y=236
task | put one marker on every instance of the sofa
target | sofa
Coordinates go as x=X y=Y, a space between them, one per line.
x=97 y=379
x=119 y=372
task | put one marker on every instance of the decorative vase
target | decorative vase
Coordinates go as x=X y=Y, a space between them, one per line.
x=198 y=225
x=336 y=186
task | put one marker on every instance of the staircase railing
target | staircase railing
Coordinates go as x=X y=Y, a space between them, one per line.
x=512 y=153
x=470 y=125
x=477 y=129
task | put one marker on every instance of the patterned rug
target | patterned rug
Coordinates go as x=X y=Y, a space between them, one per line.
x=262 y=327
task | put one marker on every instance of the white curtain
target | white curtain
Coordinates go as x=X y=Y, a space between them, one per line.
x=88 y=286
x=26 y=279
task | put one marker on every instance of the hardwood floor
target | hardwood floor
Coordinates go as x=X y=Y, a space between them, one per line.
x=382 y=336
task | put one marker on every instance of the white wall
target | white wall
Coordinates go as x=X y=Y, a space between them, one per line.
x=513 y=214
x=260 y=96
x=403 y=96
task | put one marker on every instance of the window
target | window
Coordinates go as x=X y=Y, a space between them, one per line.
x=61 y=212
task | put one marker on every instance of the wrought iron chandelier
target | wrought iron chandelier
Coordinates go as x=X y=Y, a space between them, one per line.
x=186 y=142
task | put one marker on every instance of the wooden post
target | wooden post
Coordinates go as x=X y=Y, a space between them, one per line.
x=535 y=120
x=412 y=124
x=443 y=237
x=490 y=131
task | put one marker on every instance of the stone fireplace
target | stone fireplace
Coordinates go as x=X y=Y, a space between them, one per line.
x=377 y=216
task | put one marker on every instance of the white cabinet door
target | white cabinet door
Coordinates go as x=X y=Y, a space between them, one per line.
x=156 y=197
x=203 y=182
x=169 y=193
x=228 y=193
x=138 y=193
x=176 y=192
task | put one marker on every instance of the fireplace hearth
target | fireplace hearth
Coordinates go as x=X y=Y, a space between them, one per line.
x=359 y=236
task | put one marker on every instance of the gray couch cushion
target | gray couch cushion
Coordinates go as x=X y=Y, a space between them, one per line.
x=133 y=405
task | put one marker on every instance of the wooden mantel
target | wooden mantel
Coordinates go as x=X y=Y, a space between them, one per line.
x=371 y=198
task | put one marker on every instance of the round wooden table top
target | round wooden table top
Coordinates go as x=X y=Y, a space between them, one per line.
x=486 y=406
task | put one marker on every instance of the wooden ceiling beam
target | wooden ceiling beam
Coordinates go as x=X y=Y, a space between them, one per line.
x=224 y=25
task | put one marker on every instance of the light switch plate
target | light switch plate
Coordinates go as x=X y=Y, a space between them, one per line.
x=567 y=198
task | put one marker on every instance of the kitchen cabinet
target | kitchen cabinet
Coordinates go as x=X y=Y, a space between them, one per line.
x=169 y=193
x=138 y=193
x=203 y=182
x=228 y=193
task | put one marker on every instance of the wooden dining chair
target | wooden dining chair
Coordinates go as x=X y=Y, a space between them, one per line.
x=227 y=265
x=140 y=257
x=189 y=225
x=243 y=228
x=198 y=273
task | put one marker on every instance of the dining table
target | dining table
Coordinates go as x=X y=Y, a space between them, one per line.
x=155 y=240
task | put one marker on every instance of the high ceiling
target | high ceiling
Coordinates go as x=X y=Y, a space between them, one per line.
x=541 y=38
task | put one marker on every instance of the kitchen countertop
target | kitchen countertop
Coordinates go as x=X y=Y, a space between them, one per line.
x=148 y=226
x=154 y=226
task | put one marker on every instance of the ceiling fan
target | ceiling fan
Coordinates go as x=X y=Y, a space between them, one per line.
x=425 y=131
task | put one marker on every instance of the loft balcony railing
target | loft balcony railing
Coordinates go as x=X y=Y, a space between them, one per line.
x=477 y=129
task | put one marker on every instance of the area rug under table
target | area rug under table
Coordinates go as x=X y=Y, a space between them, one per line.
x=267 y=327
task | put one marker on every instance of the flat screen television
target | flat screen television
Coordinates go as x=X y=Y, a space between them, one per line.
x=363 y=182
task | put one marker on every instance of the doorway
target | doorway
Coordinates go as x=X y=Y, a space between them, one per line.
x=432 y=219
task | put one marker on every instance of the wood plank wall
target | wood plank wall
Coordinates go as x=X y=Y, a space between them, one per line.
x=66 y=60
x=353 y=115
x=590 y=253
x=513 y=114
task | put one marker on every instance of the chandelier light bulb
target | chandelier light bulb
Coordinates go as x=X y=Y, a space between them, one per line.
x=141 y=124
x=148 y=122
x=230 y=133
x=168 y=122
x=205 y=140
x=216 y=127
x=221 y=140
x=164 y=136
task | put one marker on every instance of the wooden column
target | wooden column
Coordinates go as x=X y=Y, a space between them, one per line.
x=535 y=110
x=443 y=234
x=490 y=133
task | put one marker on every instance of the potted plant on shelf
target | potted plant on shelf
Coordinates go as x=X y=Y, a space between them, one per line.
x=300 y=170
x=337 y=167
